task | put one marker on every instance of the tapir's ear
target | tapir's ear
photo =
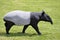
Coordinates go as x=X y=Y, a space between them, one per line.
x=43 y=13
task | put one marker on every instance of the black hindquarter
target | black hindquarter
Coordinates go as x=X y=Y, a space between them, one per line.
x=8 y=25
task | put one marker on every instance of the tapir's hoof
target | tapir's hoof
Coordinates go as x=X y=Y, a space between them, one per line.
x=7 y=33
x=39 y=33
x=23 y=32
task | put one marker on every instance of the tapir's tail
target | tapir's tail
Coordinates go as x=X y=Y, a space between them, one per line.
x=4 y=19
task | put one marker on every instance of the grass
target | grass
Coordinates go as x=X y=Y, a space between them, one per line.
x=49 y=32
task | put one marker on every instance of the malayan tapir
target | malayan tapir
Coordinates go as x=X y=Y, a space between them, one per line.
x=25 y=18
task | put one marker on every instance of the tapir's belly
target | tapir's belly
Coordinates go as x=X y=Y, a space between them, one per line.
x=18 y=17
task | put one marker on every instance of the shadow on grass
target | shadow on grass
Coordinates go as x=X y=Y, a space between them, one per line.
x=17 y=34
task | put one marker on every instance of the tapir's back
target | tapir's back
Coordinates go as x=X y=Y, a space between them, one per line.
x=18 y=17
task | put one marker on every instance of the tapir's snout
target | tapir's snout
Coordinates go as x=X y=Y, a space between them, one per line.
x=48 y=18
x=51 y=22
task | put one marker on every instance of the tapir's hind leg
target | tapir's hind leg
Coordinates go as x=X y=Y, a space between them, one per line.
x=8 y=25
x=25 y=27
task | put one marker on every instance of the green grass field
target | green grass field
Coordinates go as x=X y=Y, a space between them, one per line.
x=49 y=32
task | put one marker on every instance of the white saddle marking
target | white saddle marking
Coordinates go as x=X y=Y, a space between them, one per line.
x=18 y=17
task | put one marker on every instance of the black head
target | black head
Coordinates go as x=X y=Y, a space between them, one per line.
x=45 y=17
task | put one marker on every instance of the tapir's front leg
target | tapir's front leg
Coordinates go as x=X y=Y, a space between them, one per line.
x=34 y=22
x=25 y=27
x=36 y=28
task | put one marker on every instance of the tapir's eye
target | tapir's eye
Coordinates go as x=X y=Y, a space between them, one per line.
x=46 y=17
